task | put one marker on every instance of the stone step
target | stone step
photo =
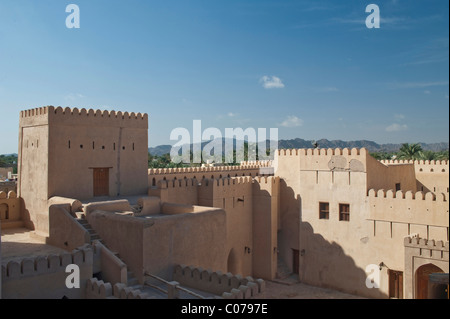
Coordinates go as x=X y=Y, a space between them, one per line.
x=82 y=221
x=282 y=270
x=8 y=224
x=95 y=236
x=80 y=215
x=133 y=282
x=136 y=286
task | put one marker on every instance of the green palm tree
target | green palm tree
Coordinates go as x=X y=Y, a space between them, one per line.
x=428 y=156
x=410 y=152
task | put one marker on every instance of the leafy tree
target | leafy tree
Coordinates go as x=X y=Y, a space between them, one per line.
x=382 y=155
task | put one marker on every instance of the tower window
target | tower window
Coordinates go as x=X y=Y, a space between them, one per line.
x=324 y=210
x=344 y=212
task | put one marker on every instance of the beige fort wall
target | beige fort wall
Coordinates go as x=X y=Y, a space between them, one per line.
x=287 y=168
x=396 y=215
x=266 y=222
x=8 y=186
x=331 y=252
x=44 y=277
x=432 y=176
x=10 y=215
x=312 y=176
x=251 y=207
x=5 y=172
x=59 y=148
x=163 y=240
x=335 y=253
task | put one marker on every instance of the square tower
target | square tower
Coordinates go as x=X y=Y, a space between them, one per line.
x=79 y=154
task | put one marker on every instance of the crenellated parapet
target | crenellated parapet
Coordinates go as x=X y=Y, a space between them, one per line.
x=200 y=170
x=228 y=286
x=74 y=116
x=433 y=249
x=408 y=195
x=98 y=289
x=409 y=207
x=44 y=265
x=322 y=152
x=10 y=195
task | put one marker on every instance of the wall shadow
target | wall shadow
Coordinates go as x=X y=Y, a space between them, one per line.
x=321 y=263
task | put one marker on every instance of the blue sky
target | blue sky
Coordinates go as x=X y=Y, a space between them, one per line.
x=311 y=68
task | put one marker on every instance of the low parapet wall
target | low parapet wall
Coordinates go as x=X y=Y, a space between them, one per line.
x=228 y=286
x=98 y=289
x=44 y=277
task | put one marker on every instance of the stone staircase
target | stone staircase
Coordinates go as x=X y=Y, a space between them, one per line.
x=88 y=227
x=283 y=270
x=132 y=281
x=284 y=275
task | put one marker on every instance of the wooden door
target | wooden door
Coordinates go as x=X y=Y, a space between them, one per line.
x=101 y=182
x=295 y=261
x=422 y=278
x=395 y=284
x=4 y=212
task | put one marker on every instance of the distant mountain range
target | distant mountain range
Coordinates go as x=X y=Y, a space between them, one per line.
x=324 y=143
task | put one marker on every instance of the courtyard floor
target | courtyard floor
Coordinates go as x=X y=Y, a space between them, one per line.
x=276 y=290
x=20 y=242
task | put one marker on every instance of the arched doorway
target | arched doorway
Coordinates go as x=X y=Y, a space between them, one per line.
x=4 y=212
x=422 y=279
x=233 y=263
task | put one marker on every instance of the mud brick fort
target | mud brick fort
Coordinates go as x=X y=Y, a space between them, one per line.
x=318 y=216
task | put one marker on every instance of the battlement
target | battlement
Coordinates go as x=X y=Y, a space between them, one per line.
x=409 y=195
x=35 y=112
x=29 y=267
x=226 y=285
x=421 y=162
x=10 y=195
x=267 y=163
x=98 y=289
x=323 y=152
x=430 y=209
x=185 y=170
x=74 y=116
x=81 y=112
x=417 y=242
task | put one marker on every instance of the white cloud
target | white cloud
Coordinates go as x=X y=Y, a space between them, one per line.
x=396 y=127
x=399 y=116
x=271 y=82
x=231 y=114
x=418 y=85
x=427 y=92
x=292 y=121
x=73 y=96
